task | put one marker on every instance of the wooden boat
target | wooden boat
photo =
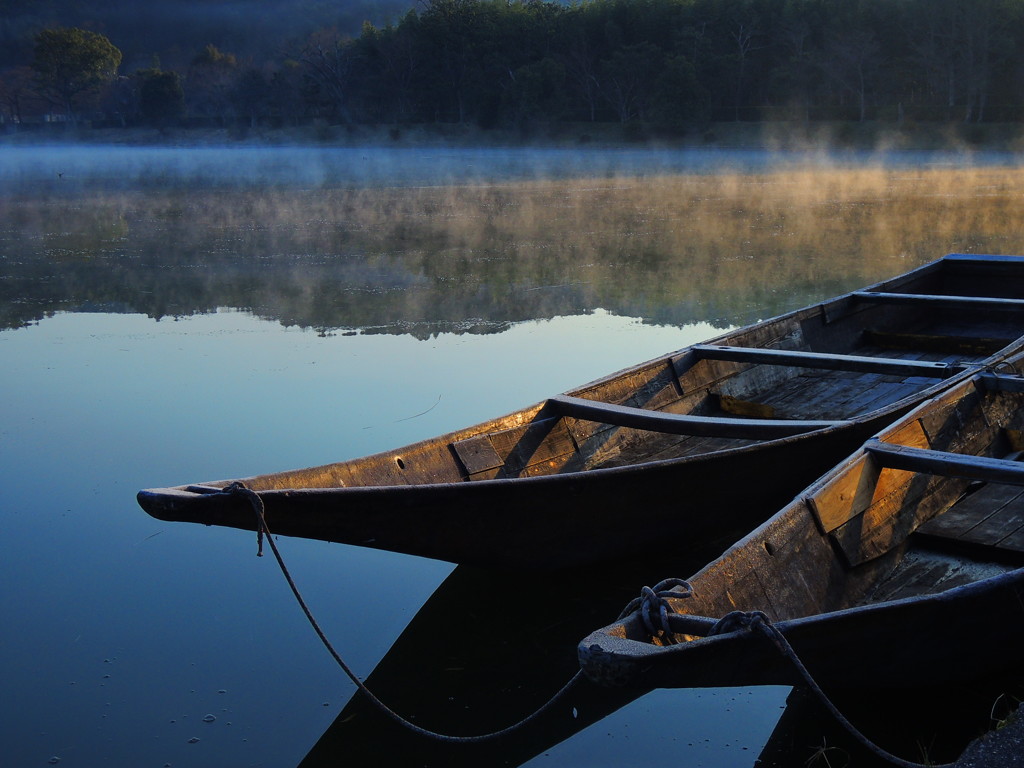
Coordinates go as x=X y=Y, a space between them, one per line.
x=903 y=566
x=700 y=443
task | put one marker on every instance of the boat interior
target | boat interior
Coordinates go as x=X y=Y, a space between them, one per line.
x=866 y=354
x=818 y=368
x=934 y=503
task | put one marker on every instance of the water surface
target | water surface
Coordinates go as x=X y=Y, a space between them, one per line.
x=163 y=328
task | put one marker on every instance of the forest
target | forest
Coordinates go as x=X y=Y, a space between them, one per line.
x=674 y=65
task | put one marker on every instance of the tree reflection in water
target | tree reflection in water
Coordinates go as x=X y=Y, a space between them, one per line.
x=674 y=249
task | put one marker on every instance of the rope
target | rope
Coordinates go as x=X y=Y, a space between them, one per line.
x=240 y=489
x=653 y=602
x=1005 y=364
x=757 y=621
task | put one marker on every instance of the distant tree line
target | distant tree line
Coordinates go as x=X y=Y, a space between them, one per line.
x=515 y=63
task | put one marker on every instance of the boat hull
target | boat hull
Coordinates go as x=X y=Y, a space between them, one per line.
x=547 y=522
x=959 y=635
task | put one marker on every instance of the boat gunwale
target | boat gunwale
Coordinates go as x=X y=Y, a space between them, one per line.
x=608 y=642
x=881 y=414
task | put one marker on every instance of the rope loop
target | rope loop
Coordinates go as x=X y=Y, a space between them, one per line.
x=654 y=607
x=1005 y=368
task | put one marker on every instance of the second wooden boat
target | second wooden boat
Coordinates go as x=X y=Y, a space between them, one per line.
x=701 y=443
x=903 y=566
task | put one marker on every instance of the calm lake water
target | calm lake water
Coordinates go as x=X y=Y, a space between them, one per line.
x=169 y=316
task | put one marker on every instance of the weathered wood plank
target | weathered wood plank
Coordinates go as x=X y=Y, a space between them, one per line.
x=654 y=387
x=683 y=424
x=970 y=511
x=1003 y=522
x=508 y=452
x=477 y=454
x=946 y=464
x=858 y=398
x=1014 y=542
x=997 y=382
x=746 y=408
x=940 y=300
x=864 y=486
x=797 y=358
x=886 y=525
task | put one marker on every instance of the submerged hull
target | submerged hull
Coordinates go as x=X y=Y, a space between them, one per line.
x=702 y=443
x=903 y=566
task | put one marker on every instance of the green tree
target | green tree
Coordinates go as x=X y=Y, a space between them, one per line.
x=537 y=93
x=161 y=97
x=16 y=93
x=71 y=66
x=211 y=77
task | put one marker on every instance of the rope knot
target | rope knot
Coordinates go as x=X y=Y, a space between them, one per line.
x=654 y=607
x=239 y=488
x=737 y=620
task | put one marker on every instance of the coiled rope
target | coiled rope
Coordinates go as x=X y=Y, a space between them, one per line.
x=240 y=489
x=655 y=602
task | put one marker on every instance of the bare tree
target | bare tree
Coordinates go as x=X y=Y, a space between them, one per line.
x=329 y=60
x=581 y=67
x=851 y=60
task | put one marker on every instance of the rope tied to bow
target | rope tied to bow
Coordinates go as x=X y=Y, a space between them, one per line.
x=653 y=606
x=241 y=489
x=256 y=501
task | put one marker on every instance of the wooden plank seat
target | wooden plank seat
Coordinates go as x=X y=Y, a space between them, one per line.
x=939 y=300
x=1008 y=471
x=683 y=424
x=996 y=382
x=829 y=361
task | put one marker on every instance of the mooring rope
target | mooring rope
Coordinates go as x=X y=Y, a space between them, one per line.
x=240 y=489
x=652 y=600
x=758 y=621
x=1002 y=365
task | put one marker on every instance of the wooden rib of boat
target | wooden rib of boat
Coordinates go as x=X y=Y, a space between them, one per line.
x=700 y=443
x=902 y=566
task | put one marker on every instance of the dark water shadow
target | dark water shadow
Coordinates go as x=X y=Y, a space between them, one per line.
x=489 y=648
x=930 y=725
x=486 y=650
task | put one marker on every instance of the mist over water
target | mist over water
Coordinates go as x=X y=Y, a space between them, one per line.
x=396 y=257
x=119 y=166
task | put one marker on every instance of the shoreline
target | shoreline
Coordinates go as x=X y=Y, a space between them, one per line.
x=766 y=136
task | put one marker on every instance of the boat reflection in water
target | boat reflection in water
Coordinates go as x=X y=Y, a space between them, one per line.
x=486 y=650
x=489 y=648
